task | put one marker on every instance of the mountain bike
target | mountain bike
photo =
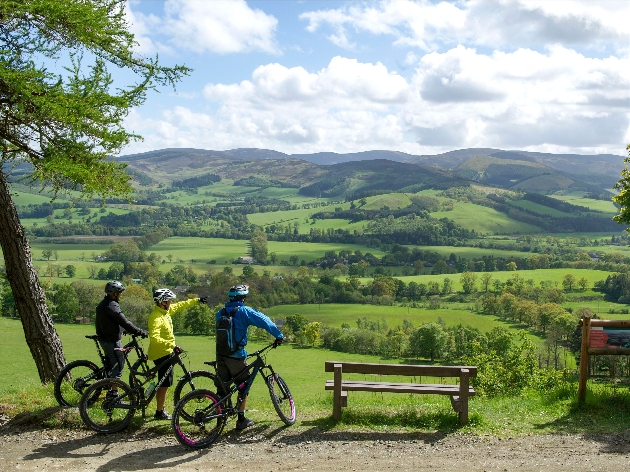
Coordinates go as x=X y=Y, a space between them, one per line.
x=76 y=376
x=108 y=405
x=200 y=416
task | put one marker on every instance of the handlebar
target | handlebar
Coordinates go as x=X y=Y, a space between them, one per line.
x=260 y=351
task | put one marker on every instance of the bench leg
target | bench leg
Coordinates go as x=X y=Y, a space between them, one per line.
x=463 y=396
x=337 y=399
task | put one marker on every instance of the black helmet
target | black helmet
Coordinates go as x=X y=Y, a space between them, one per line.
x=114 y=287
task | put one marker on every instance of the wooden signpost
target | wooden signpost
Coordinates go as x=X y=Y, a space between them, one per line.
x=601 y=338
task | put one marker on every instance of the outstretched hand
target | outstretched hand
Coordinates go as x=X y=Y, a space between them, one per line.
x=277 y=342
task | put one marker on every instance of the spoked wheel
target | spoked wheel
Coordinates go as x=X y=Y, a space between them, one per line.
x=281 y=398
x=207 y=419
x=201 y=379
x=74 y=379
x=106 y=410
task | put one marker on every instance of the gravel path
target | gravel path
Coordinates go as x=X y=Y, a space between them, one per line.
x=268 y=447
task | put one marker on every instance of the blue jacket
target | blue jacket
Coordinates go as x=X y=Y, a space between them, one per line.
x=245 y=317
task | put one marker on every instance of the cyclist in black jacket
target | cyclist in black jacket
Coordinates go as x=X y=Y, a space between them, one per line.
x=111 y=324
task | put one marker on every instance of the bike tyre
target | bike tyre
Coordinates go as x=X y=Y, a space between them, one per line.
x=193 y=433
x=82 y=373
x=205 y=382
x=281 y=398
x=94 y=406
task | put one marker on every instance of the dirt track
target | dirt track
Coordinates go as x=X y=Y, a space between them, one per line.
x=268 y=447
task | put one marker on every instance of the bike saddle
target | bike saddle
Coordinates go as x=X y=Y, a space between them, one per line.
x=212 y=363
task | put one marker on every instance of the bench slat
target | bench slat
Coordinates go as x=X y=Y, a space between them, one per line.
x=401 y=369
x=438 y=389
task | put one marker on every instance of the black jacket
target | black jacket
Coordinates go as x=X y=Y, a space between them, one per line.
x=111 y=323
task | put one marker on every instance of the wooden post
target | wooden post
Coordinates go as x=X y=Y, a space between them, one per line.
x=463 y=396
x=337 y=393
x=586 y=335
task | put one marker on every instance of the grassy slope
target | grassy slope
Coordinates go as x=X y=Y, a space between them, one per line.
x=485 y=220
x=606 y=206
x=337 y=314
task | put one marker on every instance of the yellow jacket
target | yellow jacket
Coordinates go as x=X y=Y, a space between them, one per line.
x=161 y=337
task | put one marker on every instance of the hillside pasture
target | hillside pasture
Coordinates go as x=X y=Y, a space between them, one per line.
x=485 y=220
x=338 y=314
x=540 y=209
x=222 y=250
x=606 y=206
x=554 y=276
x=473 y=252
x=544 y=183
x=394 y=201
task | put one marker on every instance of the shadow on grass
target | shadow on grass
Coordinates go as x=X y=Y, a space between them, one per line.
x=438 y=421
x=603 y=412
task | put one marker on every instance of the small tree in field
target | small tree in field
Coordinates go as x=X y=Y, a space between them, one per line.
x=70 y=270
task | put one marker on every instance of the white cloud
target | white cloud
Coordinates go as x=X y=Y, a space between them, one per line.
x=495 y=23
x=344 y=83
x=557 y=101
x=218 y=26
x=142 y=27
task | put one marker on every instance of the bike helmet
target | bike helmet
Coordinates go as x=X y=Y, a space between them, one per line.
x=114 y=287
x=163 y=295
x=238 y=291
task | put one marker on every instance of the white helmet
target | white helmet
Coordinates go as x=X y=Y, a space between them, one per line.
x=163 y=295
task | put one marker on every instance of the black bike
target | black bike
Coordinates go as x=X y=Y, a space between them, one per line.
x=76 y=376
x=108 y=405
x=200 y=416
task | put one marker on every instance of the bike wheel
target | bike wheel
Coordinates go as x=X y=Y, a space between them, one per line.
x=207 y=419
x=139 y=366
x=281 y=398
x=105 y=412
x=73 y=379
x=201 y=380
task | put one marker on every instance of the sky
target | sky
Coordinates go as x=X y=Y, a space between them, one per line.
x=420 y=77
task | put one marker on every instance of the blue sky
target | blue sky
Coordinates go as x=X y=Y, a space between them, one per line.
x=420 y=77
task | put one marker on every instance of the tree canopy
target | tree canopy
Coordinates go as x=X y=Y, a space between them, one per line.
x=61 y=115
x=623 y=199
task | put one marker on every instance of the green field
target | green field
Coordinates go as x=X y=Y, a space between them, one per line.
x=553 y=275
x=227 y=250
x=473 y=252
x=540 y=209
x=337 y=314
x=606 y=206
x=302 y=368
x=485 y=220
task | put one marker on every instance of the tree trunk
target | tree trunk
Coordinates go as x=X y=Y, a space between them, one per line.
x=30 y=298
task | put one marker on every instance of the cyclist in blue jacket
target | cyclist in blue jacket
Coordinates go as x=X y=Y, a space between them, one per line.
x=230 y=365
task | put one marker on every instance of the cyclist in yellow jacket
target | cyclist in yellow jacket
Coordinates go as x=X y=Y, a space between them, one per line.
x=162 y=339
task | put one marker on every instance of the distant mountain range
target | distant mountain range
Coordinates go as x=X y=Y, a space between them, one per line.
x=607 y=164
x=335 y=174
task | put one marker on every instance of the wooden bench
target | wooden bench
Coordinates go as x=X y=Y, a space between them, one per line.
x=459 y=393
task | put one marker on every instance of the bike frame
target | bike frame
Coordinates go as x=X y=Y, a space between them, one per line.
x=105 y=368
x=138 y=383
x=259 y=365
x=101 y=354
